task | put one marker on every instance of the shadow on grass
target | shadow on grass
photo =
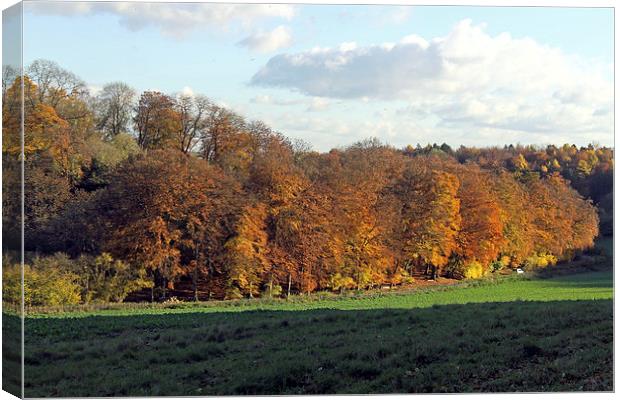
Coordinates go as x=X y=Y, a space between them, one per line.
x=11 y=355
x=484 y=347
x=597 y=280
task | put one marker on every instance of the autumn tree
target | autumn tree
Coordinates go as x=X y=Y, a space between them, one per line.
x=515 y=218
x=114 y=105
x=432 y=219
x=274 y=177
x=246 y=259
x=230 y=143
x=43 y=128
x=194 y=113
x=163 y=212
x=579 y=213
x=365 y=260
x=222 y=127
x=480 y=237
x=156 y=121
x=551 y=220
x=54 y=83
x=209 y=208
x=11 y=158
x=306 y=244
x=105 y=156
x=76 y=226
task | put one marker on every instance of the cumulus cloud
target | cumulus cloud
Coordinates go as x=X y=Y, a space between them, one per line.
x=312 y=104
x=172 y=19
x=351 y=71
x=267 y=42
x=327 y=133
x=466 y=78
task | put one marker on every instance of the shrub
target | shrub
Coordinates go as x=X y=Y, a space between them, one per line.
x=233 y=293
x=496 y=266
x=104 y=279
x=534 y=261
x=551 y=259
x=11 y=281
x=59 y=280
x=340 y=282
x=273 y=290
x=46 y=282
x=505 y=261
x=501 y=263
x=540 y=261
x=473 y=270
x=455 y=267
x=461 y=269
x=401 y=276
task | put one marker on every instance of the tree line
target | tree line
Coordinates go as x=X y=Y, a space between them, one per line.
x=157 y=191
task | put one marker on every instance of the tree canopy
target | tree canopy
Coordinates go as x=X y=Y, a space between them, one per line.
x=166 y=190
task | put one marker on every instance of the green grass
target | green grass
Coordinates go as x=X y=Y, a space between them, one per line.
x=508 y=335
x=587 y=286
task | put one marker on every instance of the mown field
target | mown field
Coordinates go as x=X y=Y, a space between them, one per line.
x=516 y=334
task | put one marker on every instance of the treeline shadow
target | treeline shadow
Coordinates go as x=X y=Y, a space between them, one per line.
x=483 y=347
x=11 y=354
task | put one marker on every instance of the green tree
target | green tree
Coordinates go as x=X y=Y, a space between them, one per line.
x=47 y=282
x=103 y=279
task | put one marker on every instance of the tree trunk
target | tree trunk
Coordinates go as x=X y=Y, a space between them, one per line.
x=195 y=277
x=195 y=283
x=288 y=294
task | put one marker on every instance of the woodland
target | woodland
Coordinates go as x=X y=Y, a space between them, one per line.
x=141 y=197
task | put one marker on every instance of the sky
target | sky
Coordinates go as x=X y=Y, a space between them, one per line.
x=333 y=75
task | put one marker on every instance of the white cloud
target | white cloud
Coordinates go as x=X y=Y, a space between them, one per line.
x=312 y=104
x=326 y=133
x=266 y=99
x=187 y=91
x=261 y=99
x=267 y=42
x=318 y=104
x=351 y=71
x=466 y=79
x=415 y=40
x=172 y=19
x=315 y=126
x=398 y=15
x=94 y=90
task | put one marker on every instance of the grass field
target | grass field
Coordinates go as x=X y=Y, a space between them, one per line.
x=510 y=335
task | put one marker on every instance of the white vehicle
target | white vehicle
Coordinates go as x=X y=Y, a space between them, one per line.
x=520 y=271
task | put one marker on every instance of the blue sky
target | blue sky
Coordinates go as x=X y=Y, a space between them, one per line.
x=333 y=75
